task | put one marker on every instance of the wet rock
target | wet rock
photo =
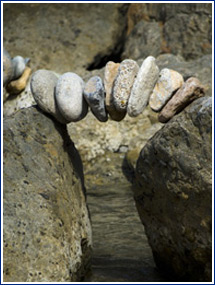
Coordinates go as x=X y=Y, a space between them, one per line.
x=168 y=82
x=17 y=86
x=190 y=90
x=94 y=94
x=143 y=86
x=176 y=208
x=111 y=70
x=43 y=83
x=123 y=83
x=47 y=233
x=7 y=68
x=69 y=97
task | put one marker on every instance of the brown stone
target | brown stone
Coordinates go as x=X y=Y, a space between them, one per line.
x=17 y=86
x=190 y=90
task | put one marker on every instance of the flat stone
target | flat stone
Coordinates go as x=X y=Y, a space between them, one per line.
x=69 y=97
x=190 y=90
x=17 y=86
x=143 y=87
x=123 y=83
x=43 y=84
x=94 y=94
x=7 y=67
x=169 y=81
x=111 y=70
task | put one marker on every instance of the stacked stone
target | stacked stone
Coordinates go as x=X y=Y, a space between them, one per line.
x=127 y=89
x=15 y=73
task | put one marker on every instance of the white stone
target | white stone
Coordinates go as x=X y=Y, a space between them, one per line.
x=143 y=87
x=69 y=97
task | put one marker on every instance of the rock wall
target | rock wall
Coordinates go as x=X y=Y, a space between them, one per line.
x=47 y=232
x=173 y=193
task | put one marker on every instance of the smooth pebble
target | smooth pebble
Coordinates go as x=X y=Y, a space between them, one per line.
x=69 y=97
x=19 y=64
x=190 y=90
x=168 y=82
x=43 y=84
x=94 y=94
x=143 y=87
x=18 y=85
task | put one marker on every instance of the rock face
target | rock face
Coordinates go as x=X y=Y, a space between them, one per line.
x=47 y=233
x=176 y=207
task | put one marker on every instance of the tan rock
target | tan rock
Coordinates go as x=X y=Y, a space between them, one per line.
x=110 y=74
x=17 y=86
x=190 y=90
x=168 y=82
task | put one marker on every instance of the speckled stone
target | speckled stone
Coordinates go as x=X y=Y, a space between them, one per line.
x=69 y=97
x=169 y=81
x=7 y=67
x=110 y=74
x=18 y=66
x=123 y=83
x=190 y=90
x=94 y=94
x=43 y=84
x=143 y=87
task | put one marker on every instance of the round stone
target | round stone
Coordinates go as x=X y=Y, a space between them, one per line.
x=18 y=66
x=94 y=94
x=69 y=97
x=43 y=84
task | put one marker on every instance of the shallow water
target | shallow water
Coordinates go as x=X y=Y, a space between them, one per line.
x=120 y=248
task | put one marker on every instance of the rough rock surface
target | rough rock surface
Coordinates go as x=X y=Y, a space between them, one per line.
x=176 y=208
x=47 y=233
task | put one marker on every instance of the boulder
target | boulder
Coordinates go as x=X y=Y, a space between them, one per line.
x=47 y=232
x=173 y=195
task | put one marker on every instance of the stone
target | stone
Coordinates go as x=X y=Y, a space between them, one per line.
x=94 y=94
x=173 y=193
x=143 y=87
x=47 y=231
x=123 y=83
x=7 y=67
x=43 y=83
x=19 y=64
x=110 y=73
x=190 y=90
x=168 y=82
x=69 y=97
x=18 y=85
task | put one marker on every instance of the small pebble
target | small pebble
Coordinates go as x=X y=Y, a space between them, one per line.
x=168 y=82
x=190 y=90
x=16 y=86
x=19 y=64
x=43 y=84
x=123 y=83
x=69 y=97
x=94 y=94
x=7 y=67
x=111 y=70
x=143 y=87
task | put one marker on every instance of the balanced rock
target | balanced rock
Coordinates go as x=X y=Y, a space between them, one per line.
x=111 y=70
x=123 y=83
x=69 y=97
x=173 y=193
x=19 y=64
x=190 y=90
x=94 y=94
x=143 y=87
x=43 y=84
x=47 y=231
x=17 y=86
x=7 y=67
x=169 y=81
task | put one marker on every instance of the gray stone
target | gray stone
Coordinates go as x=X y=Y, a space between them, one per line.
x=123 y=83
x=173 y=193
x=47 y=232
x=94 y=94
x=143 y=87
x=43 y=83
x=7 y=68
x=69 y=97
x=18 y=66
